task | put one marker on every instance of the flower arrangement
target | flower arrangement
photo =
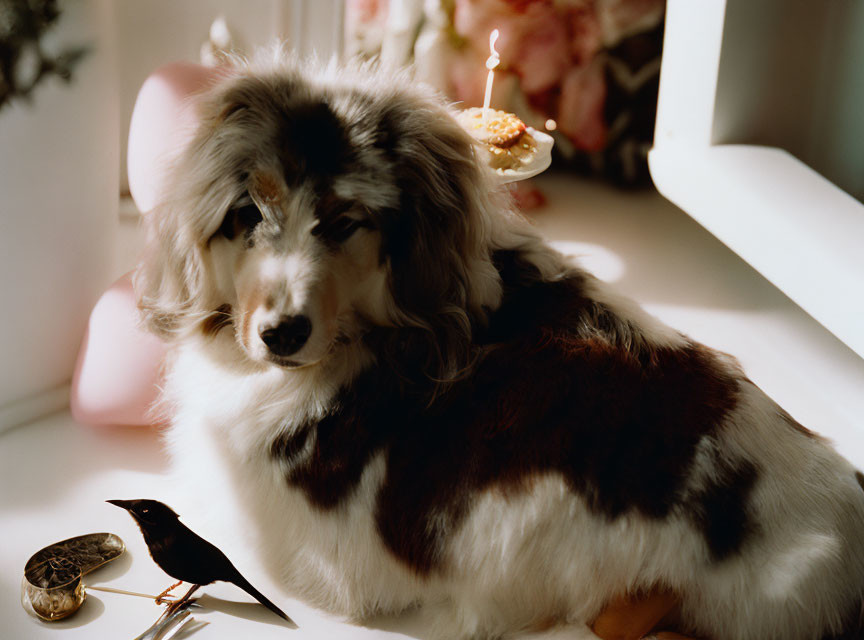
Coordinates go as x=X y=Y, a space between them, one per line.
x=591 y=67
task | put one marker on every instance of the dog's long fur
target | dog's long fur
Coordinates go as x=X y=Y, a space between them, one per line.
x=472 y=421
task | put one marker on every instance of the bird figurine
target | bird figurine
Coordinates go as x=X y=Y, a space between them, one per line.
x=183 y=554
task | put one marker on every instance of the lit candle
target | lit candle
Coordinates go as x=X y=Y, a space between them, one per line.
x=491 y=62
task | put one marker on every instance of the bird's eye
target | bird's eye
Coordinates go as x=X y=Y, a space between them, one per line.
x=145 y=510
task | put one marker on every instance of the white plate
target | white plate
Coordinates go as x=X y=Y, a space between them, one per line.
x=542 y=159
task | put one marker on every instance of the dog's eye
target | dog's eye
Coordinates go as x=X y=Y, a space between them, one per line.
x=241 y=219
x=248 y=216
x=335 y=224
x=344 y=227
x=340 y=229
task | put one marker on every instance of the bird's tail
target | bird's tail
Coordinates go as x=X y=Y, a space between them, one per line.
x=241 y=582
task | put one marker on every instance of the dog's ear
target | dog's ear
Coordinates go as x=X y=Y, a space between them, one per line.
x=437 y=240
x=169 y=279
x=172 y=281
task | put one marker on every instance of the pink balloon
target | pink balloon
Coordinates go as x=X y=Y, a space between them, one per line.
x=119 y=365
x=163 y=122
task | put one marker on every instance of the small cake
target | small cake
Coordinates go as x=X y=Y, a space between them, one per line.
x=509 y=147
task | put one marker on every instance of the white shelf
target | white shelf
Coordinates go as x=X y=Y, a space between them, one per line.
x=793 y=225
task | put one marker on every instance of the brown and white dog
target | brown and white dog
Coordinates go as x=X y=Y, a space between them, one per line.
x=411 y=399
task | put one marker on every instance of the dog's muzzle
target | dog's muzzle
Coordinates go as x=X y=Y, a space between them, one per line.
x=287 y=337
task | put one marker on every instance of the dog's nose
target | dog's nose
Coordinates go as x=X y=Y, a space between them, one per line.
x=288 y=336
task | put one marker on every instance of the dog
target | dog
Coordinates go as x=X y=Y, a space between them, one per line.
x=383 y=379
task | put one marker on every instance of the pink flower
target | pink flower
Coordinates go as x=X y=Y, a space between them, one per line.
x=586 y=37
x=552 y=46
x=580 y=110
x=474 y=20
x=533 y=39
x=467 y=78
x=543 y=45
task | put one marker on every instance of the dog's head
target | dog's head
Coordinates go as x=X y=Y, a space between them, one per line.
x=310 y=207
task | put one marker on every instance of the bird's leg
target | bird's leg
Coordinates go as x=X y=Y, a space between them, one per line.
x=160 y=599
x=179 y=603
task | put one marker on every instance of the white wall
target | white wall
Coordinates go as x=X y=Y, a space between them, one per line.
x=63 y=167
x=59 y=168
x=758 y=138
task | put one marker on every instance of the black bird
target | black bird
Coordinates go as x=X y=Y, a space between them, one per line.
x=183 y=554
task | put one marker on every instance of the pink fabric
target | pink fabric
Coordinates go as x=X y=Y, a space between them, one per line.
x=119 y=365
x=118 y=370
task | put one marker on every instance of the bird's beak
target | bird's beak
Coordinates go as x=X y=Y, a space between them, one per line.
x=123 y=504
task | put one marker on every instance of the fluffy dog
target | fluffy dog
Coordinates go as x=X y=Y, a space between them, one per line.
x=412 y=399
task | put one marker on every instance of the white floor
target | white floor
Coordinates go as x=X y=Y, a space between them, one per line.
x=55 y=474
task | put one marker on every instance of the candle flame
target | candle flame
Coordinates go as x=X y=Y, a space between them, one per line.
x=491 y=62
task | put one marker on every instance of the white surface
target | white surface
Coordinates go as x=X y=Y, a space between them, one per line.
x=794 y=226
x=58 y=209
x=55 y=475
